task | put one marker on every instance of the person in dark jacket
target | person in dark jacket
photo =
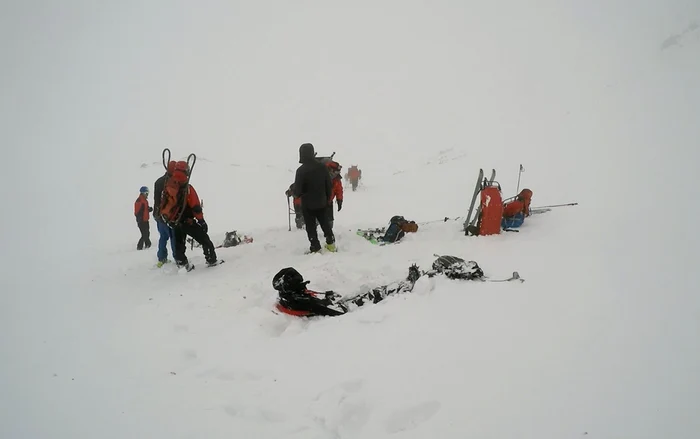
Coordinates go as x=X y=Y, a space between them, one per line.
x=166 y=233
x=313 y=185
x=141 y=211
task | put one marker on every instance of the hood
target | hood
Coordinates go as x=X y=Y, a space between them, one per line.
x=306 y=153
x=525 y=194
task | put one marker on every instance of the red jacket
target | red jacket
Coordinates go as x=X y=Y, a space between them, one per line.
x=141 y=209
x=521 y=204
x=194 y=207
x=337 y=191
x=354 y=173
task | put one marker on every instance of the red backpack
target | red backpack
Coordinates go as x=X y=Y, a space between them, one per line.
x=173 y=200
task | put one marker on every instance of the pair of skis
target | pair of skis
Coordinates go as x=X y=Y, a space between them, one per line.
x=481 y=183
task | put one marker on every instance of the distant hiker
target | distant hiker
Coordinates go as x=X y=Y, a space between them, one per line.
x=337 y=188
x=166 y=233
x=298 y=213
x=515 y=212
x=181 y=209
x=141 y=211
x=354 y=175
x=313 y=185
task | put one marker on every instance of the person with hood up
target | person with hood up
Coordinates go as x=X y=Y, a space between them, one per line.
x=312 y=184
x=514 y=212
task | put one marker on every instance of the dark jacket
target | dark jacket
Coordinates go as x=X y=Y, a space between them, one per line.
x=157 y=192
x=312 y=182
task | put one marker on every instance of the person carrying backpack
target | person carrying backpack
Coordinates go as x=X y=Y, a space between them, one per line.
x=181 y=209
x=141 y=210
x=336 y=190
x=166 y=233
x=313 y=185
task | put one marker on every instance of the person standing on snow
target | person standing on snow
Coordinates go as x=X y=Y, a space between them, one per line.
x=192 y=224
x=166 y=233
x=354 y=175
x=313 y=185
x=337 y=189
x=141 y=211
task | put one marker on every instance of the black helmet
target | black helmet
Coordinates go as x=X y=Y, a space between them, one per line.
x=288 y=280
x=306 y=153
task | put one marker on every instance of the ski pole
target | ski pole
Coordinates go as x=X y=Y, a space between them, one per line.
x=519 y=172
x=289 y=215
x=555 y=205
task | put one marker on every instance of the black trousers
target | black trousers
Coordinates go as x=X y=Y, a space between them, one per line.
x=314 y=217
x=199 y=235
x=145 y=239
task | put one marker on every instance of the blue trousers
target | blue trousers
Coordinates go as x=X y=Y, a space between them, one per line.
x=165 y=234
x=513 y=222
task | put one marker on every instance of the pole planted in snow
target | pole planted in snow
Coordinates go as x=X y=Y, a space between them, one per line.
x=517 y=191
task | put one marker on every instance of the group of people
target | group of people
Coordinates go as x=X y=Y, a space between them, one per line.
x=316 y=185
x=190 y=220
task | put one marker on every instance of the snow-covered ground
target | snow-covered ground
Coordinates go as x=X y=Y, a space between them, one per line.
x=599 y=103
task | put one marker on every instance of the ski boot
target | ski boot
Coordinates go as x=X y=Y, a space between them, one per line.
x=163 y=262
x=331 y=248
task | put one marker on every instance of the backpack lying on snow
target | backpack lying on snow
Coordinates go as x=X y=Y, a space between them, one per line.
x=398 y=227
x=296 y=299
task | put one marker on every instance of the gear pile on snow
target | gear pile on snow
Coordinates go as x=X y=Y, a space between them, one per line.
x=397 y=229
x=294 y=298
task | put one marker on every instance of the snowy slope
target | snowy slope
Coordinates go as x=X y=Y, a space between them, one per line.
x=598 y=102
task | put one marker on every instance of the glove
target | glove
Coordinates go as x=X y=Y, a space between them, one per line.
x=288 y=193
x=203 y=225
x=340 y=204
x=150 y=209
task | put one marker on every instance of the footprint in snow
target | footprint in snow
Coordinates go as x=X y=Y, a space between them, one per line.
x=412 y=417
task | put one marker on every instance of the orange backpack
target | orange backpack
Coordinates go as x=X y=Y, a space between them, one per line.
x=173 y=200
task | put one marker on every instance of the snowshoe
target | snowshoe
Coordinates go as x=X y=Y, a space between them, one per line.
x=187 y=267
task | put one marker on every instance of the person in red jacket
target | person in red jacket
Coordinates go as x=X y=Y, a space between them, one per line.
x=337 y=189
x=141 y=211
x=354 y=175
x=191 y=222
x=515 y=212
